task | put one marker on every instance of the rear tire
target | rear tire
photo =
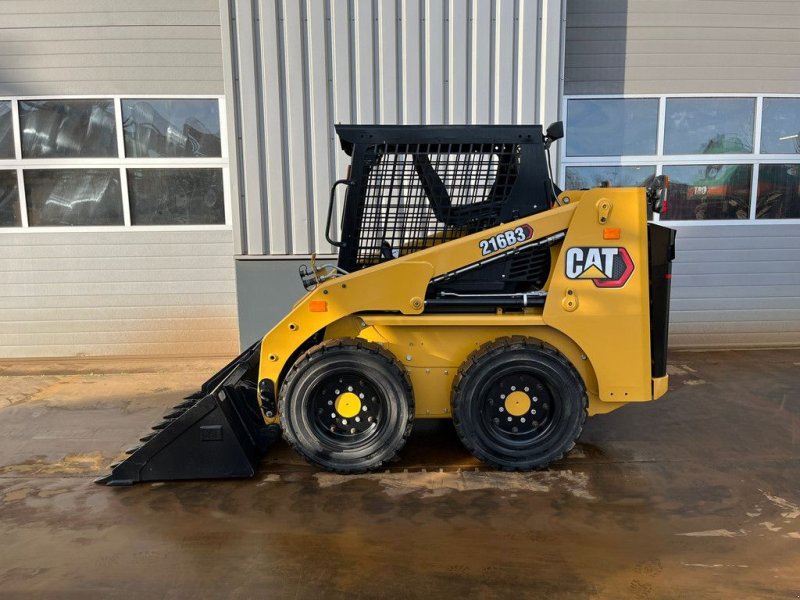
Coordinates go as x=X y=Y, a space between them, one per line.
x=518 y=405
x=347 y=406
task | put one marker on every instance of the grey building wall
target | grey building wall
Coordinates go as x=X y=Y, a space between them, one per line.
x=734 y=285
x=110 y=47
x=121 y=293
x=127 y=291
x=674 y=46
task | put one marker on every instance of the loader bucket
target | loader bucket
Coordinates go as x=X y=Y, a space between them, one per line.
x=217 y=432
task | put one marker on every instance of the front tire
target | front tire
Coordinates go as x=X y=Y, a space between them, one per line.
x=518 y=405
x=347 y=406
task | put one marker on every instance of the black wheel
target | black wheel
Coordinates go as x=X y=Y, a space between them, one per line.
x=347 y=406
x=518 y=405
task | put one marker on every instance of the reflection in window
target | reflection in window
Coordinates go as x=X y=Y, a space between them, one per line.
x=612 y=127
x=176 y=196
x=592 y=177
x=702 y=192
x=9 y=200
x=67 y=128
x=165 y=128
x=709 y=125
x=6 y=131
x=73 y=197
x=780 y=126
x=778 y=192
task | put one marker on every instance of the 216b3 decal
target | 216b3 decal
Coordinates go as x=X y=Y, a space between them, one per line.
x=505 y=239
x=606 y=267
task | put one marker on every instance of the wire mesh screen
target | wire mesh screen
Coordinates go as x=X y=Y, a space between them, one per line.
x=419 y=195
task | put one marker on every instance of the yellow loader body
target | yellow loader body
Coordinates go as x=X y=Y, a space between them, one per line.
x=603 y=331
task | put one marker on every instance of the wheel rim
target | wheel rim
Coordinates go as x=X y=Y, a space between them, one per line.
x=499 y=404
x=345 y=409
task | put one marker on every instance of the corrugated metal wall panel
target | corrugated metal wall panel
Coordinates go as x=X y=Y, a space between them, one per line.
x=52 y=47
x=127 y=292
x=736 y=285
x=321 y=62
x=681 y=46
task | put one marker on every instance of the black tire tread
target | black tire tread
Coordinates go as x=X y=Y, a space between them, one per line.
x=353 y=343
x=504 y=344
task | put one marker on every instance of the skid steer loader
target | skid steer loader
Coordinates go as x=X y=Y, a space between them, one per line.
x=467 y=287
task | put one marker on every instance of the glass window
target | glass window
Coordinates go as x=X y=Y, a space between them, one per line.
x=9 y=200
x=68 y=128
x=612 y=127
x=176 y=196
x=73 y=197
x=702 y=192
x=6 y=131
x=591 y=177
x=171 y=128
x=780 y=126
x=778 y=192
x=709 y=125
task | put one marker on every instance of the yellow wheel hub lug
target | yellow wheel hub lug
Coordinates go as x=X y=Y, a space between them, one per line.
x=347 y=405
x=517 y=403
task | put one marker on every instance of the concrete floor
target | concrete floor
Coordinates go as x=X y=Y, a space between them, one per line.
x=696 y=495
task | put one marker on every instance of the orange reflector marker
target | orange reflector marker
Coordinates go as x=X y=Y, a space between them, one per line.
x=318 y=306
x=611 y=233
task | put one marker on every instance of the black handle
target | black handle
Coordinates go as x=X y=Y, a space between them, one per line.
x=330 y=213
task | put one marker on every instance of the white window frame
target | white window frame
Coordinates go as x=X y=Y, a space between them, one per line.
x=660 y=160
x=119 y=162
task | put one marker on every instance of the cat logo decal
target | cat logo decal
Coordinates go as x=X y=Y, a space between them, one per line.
x=605 y=267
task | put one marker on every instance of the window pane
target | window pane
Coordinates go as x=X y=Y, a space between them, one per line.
x=591 y=177
x=709 y=125
x=708 y=192
x=780 y=126
x=156 y=128
x=176 y=196
x=6 y=131
x=9 y=199
x=67 y=128
x=612 y=127
x=73 y=197
x=778 y=192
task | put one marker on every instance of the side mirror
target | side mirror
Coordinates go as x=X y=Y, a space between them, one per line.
x=555 y=131
x=657 y=193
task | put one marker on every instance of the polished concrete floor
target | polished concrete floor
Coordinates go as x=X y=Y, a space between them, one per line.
x=696 y=495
